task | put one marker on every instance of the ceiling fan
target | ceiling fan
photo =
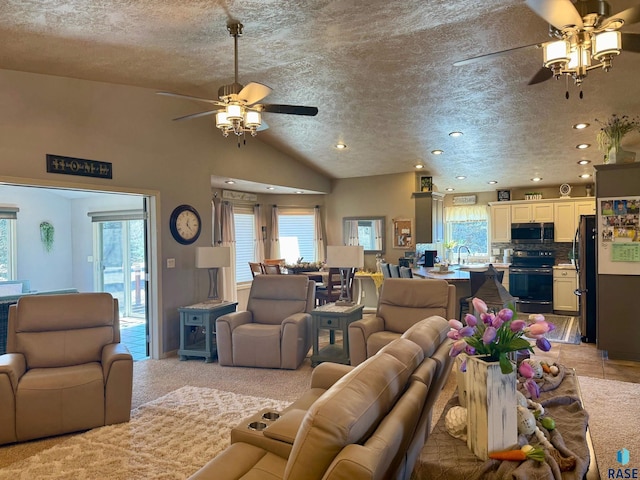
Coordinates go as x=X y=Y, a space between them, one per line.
x=585 y=37
x=237 y=109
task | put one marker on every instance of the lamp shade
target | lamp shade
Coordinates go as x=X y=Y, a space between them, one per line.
x=345 y=256
x=607 y=43
x=556 y=53
x=212 y=257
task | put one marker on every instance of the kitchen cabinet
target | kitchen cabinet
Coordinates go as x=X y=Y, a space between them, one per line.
x=564 y=218
x=585 y=207
x=429 y=210
x=532 y=212
x=565 y=282
x=500 y=223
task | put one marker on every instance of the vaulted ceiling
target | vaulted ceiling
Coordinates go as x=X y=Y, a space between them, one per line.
x=380 y=72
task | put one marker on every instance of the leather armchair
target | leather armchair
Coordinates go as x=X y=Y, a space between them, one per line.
x=402 y=303
x=65 y=369
x=275 y=330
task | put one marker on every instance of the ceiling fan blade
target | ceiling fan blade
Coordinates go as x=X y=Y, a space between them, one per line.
x=290 y=109
x=559 y=13
x=494 y=54
x=253 y=92
x=196 y=115
x=628 y=16
x=263 y=126
x=541 y=75
x=631 y=42
x=189 y=97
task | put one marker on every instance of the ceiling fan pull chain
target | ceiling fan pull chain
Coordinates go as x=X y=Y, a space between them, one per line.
x=581 y=93
x=566 y=94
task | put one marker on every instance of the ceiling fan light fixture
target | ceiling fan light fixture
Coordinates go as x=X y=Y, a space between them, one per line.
x=222 y=121
x=252 y=119
x=234 y=112
x=606 y=43
x=556 y=54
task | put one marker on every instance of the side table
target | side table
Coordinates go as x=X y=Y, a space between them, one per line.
x=333 y=318
x=198 y=329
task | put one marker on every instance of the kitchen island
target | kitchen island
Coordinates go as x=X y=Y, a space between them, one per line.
x=459 y=278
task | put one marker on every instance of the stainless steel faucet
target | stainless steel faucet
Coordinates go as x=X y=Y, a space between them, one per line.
x=460 y=248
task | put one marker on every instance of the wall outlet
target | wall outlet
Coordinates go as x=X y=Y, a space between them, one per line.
x=495 y=251
x=171 y=263
x=90 y=258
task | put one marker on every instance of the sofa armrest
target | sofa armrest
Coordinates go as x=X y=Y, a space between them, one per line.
x=14 y=366
x=117 y=367
x=111 y=353
x=295 y=341
x=285 y=428
x=359 y=332
x=327 y=373
x=233 y=320
x=225 y=325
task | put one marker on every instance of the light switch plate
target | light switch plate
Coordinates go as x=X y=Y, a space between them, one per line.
x=171 y=263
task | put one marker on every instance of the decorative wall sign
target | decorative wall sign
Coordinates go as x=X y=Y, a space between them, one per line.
x=504 y=195
x=244 y=196
x=78 y=166
x=464 y=200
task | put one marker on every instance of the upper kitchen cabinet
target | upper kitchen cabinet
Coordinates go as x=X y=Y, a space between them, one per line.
x=429 y=210
x=500 y=223
x=564 y=214
x=532 y=212
x=585 y=207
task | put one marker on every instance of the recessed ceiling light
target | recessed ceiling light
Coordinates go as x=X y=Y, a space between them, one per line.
x=584 y=162
x=419 y=165
x=536 y=179
x=437 y=152
x=585 y=175
x=229 y=182
x=461 y=177
x=299 y=191
x=449 y=189
x=455 y=134
x=580 y=126
x=582 y=146
x=492 y=182
x=340 y=146
x=271 y=188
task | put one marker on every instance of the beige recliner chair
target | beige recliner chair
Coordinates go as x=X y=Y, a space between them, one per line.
x=402 y=303
x=65 y=369
x=275 y=330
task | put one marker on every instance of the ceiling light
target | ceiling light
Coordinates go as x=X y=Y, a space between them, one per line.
x=461 y=177
x=580 y=126
x=584 y=162
x=455 y=134
x=585 y=175
x=450 y=189
x=230 y=182
x=271 y=188
x=299 y=191
x=437 y=152
x=536 y=179
x=573 y=54
x=582 y=146
x=419 y=165
x=340 y=146
x=492 y=182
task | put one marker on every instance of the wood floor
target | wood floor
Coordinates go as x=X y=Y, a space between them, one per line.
x=591 y=362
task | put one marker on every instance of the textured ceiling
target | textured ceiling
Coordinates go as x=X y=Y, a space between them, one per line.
x=381 y=73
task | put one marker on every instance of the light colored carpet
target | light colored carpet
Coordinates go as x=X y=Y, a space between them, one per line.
x=614 y=420
x=168 y=438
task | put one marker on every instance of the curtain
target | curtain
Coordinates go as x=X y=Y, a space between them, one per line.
x=352 y=232
x=319 y=235
x=259 y=240
x=216 y=232
x=275 y=233
x=377 y=225
x=470 y=213
x=228 y=239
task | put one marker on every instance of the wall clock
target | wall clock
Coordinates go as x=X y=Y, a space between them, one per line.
x=185 y=224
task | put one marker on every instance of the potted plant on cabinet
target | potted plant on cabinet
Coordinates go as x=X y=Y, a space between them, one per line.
x=610 y=136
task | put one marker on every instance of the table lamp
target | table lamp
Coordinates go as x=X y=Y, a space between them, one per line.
x=346 y=258
x=213 y=258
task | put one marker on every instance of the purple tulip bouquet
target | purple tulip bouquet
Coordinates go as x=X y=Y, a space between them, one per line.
x=495 y=335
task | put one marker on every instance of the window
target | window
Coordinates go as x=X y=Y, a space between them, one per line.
x=469 y=226
x=245 y=240
x=297 y=235
x=7 y=244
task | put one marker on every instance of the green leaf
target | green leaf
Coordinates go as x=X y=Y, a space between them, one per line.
x=505 y=365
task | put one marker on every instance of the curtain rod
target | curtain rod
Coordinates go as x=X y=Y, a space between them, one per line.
x=297 y=206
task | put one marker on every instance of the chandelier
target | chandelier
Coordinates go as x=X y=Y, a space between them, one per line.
x=581 y=51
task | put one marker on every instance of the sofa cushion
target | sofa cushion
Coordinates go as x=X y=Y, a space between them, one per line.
x=352 y=408
x=247 y=336
x=275 y=297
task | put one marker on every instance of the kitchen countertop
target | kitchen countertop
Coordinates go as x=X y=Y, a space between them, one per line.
x=452 y=276
x=565 y=266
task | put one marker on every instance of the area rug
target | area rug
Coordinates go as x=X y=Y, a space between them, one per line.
x=614 y=421
x=566 y=330
x=168 y=438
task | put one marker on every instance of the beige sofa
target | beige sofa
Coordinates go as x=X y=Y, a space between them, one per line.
x=363 y=422
x=65 y=369
x=402 y=303
x=275 y=330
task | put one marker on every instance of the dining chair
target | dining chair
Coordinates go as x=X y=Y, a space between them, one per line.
x=256 y=269
x=395 y=270
x=274 y=261
x=406 y=272
x=386 y=273
x=271 y=269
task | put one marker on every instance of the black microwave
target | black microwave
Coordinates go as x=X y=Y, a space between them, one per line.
x=532 y=233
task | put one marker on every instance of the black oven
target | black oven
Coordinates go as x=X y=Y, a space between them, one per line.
x=531 y=280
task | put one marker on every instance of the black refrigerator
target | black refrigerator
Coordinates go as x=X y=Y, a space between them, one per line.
x=584 y=253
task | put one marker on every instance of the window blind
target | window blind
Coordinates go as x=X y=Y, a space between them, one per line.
x=245 y=237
